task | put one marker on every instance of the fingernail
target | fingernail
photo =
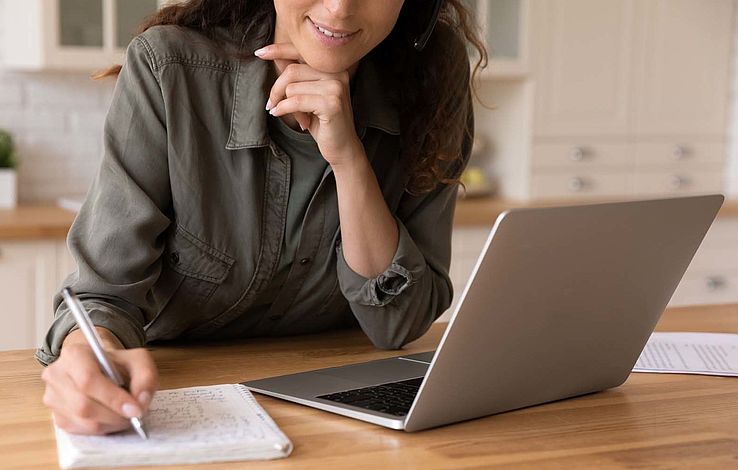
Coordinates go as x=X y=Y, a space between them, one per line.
x=131 y=411
x=271 y=111
x=144 y=398
x=260 y=52
x=269 y=104
x=301 y=127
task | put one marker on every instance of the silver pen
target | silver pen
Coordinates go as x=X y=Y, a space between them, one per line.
x=90 y=333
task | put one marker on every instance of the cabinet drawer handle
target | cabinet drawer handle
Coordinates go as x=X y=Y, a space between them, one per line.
x=715 y=283
x=678 y=182
x=576 y=154
x=577 y=184
x=679 y=152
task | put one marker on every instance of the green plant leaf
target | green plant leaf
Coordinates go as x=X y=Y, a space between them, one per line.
x=8 y=157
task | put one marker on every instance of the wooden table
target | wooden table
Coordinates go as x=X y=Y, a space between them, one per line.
x=652 y=421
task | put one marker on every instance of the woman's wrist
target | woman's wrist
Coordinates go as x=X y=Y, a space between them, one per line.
x=369 y=231
x=109 y=340
x=351 y=158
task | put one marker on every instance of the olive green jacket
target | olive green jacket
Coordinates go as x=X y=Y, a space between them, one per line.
x=184 y=221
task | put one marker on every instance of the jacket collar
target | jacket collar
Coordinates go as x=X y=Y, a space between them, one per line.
x=371 y=102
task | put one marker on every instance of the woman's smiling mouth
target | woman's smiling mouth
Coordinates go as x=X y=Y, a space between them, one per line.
x=331 y=36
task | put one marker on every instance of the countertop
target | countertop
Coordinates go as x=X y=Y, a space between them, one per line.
x=35 y=222
x=651 y=421
x=51 y=221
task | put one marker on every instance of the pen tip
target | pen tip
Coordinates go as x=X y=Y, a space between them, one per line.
x=138 y=426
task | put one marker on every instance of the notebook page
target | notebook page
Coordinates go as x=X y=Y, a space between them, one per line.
x=186 y=425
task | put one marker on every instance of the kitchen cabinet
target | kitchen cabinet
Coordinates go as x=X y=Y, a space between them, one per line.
x=82 y=35
x=503 y=26
x=583 y=53
x=682 y=69
x=31 y=272
x=651 y=68
x=624 y=98
x=712 y=277
x=27 y=278
x=466 y=245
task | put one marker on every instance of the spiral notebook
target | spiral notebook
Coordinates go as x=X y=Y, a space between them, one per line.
x=214 y=423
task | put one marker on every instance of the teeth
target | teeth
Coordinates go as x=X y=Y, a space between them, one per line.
x=330 y=34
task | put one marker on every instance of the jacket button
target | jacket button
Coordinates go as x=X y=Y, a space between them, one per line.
x=305 y=261
x=174 y=258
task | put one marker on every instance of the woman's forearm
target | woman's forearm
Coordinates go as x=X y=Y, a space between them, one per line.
x=369 y=233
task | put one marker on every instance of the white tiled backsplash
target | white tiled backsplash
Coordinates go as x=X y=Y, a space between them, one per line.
x=57 y=122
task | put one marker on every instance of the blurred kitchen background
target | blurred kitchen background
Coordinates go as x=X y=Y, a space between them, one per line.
x=592 y=100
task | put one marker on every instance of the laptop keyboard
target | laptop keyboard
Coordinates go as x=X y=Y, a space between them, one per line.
x=393 y=398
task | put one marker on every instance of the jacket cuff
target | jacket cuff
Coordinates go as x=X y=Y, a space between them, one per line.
x=128 y=333
x=407 y=265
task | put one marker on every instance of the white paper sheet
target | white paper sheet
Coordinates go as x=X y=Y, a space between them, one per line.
x=690 y=353
x=186 y=425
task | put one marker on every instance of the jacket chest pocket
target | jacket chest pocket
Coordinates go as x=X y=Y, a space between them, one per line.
x=195 y=259
x=191 y=273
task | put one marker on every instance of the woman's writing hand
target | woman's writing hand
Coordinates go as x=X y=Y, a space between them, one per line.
x=84 y=400
x=320 y=101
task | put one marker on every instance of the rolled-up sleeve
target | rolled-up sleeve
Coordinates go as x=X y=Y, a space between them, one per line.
x=401 y=303
x=408 y=264
x=116 y=238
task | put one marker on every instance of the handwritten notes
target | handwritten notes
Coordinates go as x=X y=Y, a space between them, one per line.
x=187 y=425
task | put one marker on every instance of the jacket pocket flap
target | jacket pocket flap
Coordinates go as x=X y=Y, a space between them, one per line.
x=192 y=257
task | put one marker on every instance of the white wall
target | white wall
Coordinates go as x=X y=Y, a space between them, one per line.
x=732 y=166
x=57 y=122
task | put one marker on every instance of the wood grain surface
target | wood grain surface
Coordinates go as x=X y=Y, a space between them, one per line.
x=34 y=222
x=38 y=222
x=652 y=421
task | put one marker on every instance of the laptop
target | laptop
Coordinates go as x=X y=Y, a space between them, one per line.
x=560 y=303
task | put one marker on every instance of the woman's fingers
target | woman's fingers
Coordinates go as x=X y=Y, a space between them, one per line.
x=296 y=74
x=283 y=50
x=291 y=74
x=304 y=120
x=84 y=400
x=77 y=407
x=278 y=92
x=285 y=55
x=84 y=426
x=322 y=87
x=321 y=106
x=144 y=378
x=64 y=398
x=89 y=379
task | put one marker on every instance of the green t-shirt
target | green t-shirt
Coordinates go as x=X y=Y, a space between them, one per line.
x=308 y=166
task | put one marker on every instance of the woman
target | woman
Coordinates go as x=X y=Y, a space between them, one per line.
x=212 y=217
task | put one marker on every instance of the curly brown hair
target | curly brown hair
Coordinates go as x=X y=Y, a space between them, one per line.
x=433 y=125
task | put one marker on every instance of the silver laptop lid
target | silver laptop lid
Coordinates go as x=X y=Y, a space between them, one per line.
x=561 y=303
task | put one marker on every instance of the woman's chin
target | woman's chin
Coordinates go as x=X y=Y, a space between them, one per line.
x=328 y=64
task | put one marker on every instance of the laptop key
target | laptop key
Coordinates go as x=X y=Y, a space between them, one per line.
x=394 y=398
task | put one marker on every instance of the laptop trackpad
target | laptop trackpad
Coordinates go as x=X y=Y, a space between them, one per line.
x=377 y=372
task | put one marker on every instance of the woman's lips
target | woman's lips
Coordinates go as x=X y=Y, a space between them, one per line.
x=339 y=40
